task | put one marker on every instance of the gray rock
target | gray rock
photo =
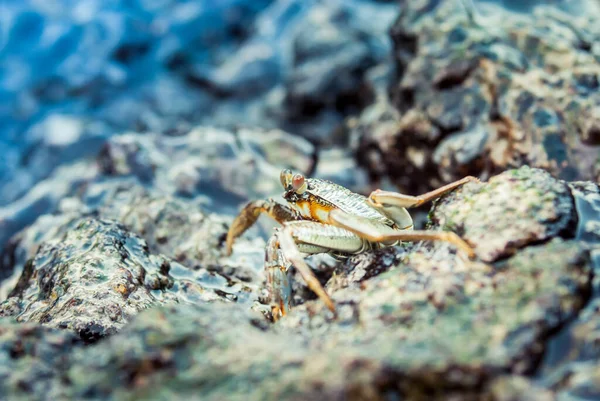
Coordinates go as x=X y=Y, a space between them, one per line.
x=42 y=198
x=91 y=280
x=512 y=210
x=570 y=365
x=176 y=253
x=33 y=360
x=332 y=52
x=177 y=351
x=209 y=161
x=517 y=388
x=461 y=148
x=202 y=165
x=413 y=322
x=520 y=86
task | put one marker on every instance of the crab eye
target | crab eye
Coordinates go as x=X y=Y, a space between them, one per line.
x=298 y=183
x=286 y=178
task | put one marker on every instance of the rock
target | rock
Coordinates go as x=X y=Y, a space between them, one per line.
x=42 y=198
x=180 y=259
x=181 y=231
x=517 y=388
x=477 y=99
x=349 y=57
x=587 y=202
x=569 y=366
x=179 y=350
x=33 y=360
x=251 y=72
x=514 y=209
x=201 y=165
x=414 y=318
x=188 y=345
x=416 y=322
x=91 y=280
x=209 y=161
x=94 y=287
x=332 y=52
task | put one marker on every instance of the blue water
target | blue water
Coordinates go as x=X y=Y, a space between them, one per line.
x=88 y=61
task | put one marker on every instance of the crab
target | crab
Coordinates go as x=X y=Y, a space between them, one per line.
x=323 y=217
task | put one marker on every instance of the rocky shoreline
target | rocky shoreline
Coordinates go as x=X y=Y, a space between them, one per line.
x=115 y=283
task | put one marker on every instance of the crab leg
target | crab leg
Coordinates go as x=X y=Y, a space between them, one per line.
x=291 y=252
x=251 y=212
x=276 y=270
x=376 y=232
x=384 y=199
x=288 y=244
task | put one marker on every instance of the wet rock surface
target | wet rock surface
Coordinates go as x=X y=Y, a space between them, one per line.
x=403 y=313
x=570 y=367
x=115 y=203
x=90 y=280
x=155 y=183
x=220 y=165
x=81 y=270
x=476 y=98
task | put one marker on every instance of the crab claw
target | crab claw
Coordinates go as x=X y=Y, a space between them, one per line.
x=251 y=212
x=242 y=222
x=290 y=252
x=280 y=291
x=276 y=269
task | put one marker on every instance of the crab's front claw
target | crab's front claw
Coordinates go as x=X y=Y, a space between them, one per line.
x=280 y=291
x=247 y=217
x=242 y=222
x=278 y=283
x=290 y=252
x=251 y=212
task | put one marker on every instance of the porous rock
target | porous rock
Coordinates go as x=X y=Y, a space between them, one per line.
x=479 y=97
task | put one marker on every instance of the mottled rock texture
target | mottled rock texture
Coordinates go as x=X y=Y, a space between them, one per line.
x=513 y=209
x=91 y=280
x=115 y=283
x=415 y=322
x=33 y=359
x=478 y=98
x=93 y=274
